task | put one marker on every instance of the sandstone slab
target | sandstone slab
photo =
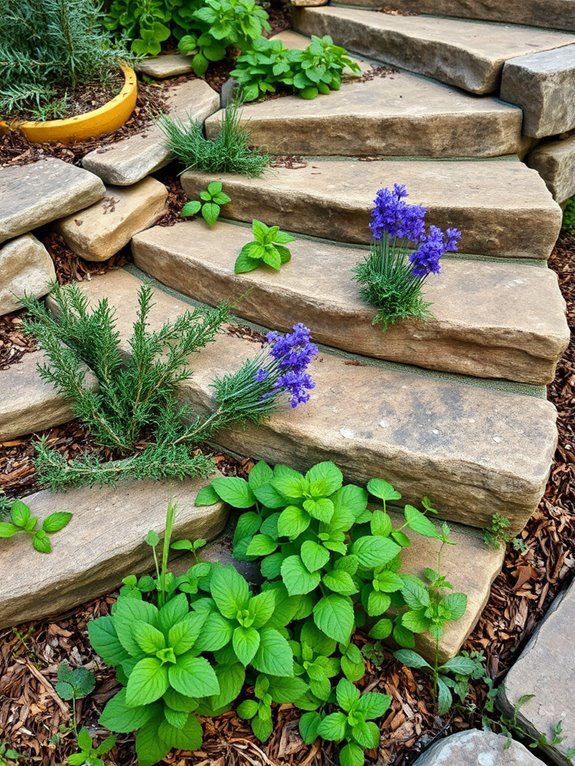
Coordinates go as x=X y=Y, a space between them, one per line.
x=542 y=84
x=501 y=207
x=103 y=543
x=129 y=160
x=546 y=669
x=25 y=269
x=475 y=450
x=167 y=65
x=477 y=748
x=468 y=54
x=35 y=194
x=103 y=229
x=555 y=163
x=481 y=325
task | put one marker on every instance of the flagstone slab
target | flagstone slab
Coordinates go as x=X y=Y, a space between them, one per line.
x=35 y=194
x=129 y=160
x=474 y=450
x=546 y=670
x=102 y=230
x=542 y=84
x=26 y=268
x=477 y=748
x=103 y=543
x=468 y=54
x=555 y=163
x=501 y=207
x=499 y=320
x=166 y=65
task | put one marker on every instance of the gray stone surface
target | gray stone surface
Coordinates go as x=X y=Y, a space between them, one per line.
x=167 y=65
x=129 y=160
x=502 y=207
x=103 y=543
x=499 y=320
x=468 y=54
x=474 y=450
x=546 y=669
x=100 y=231
x=477 y=748
x=543 y=85
x=25 y=269
x=35 y=194
x=555 y=163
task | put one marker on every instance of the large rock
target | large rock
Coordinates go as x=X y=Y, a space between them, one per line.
x=555 y=163
x=129 y=160
x=103 y=543
x=25 y=269
x=500 y=320
x=546 y=670
x=167 y=65
x=502 y=207
x=477 y=748
x=542 y=85
x=468 y=54
x=35 y=194
x=100 y=231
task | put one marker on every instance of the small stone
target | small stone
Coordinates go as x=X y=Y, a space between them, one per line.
x=167 y=65
x=555 y=163
x=100 y=231
x=477 y=748
x=25 y=269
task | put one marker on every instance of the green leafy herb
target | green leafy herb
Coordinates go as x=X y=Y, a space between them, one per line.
x=268 y=247
x=210 y=203
x=22 y=522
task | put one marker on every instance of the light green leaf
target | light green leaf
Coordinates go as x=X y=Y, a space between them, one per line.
x=444 y=697
x=297 y=579
x=260 y=475
x=148 y=681
x=456 y=604
x=321 y=509
x=262 y=607
x=274 y=655
x=193 y=676
x=340 y=581
x=416 y=622
x=262 y=727
x=175 y=718
x=308 y=726
x=206 y=496
x=247 y=709
x=234 y=491
x=373 y=705
x=351 y=755
x=261 y=545
x=333 y=614
x=210 y=214
x=415 y=593
x=229 y=590
x=128 y=611
x=174 y=611
x=179 y=702
x=373 y=551
x=377 y=603
x=380 y=524
x=286 y=690
x=293 y=521
x=382 y=629
x=383 y=489
x=105 y=642
x=41 y=542
x=346 y=694
x=419 y=523
x=184 y=634
x=246 y=642
x=215 y=634
x=245 y=264
x=187 y=737
x=366 y=734
x=288 y=482
x=463 y=666
x=20 y=514
x=148 y=638
x=215 y=187
x=313 y=555
x=150 y=749
x=411 y=659
x=231 y=679
x=191 y=208
x=324 y=479
x=120 y=717
x=332 y=727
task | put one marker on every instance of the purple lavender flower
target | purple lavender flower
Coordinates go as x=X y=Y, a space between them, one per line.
x=426 y=259
x=293 y=353
x=396 y=218
x=261 y=375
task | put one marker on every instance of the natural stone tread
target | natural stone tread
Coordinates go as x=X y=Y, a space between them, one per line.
x=554 y=14
x=167 y=65
x=26 y=268
x=103 y=543
x=468 y=54
x=490 y=319
x=35 y=194
x=32 y=405
x=100 y=231
x=477 y=748
x=474 y=450
x=502 y=207
x=546 y=669
x=129 y=160
x=555 y=163
x=542 y=85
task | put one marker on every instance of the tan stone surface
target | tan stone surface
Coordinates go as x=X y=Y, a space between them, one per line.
x=546 y=669
x=501 y=207
x=468 y=54
x=477 y=748
x=129 y=160
x=555 y=163
x=35 y=194
x=103 y=543
x=501 y=320
x=25 y=269
x=473 y=450
x=309 y=3
x=542 y=84
x=167 y=65
x=100 y=231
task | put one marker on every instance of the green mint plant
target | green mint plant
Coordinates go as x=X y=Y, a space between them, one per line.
x=318 y=68
x=89 y=755
x=264 y=67
x=22 y=522
x=74 y=683
x=497 y=534
x=268 y=689
x=210 y=203
x=268 y=247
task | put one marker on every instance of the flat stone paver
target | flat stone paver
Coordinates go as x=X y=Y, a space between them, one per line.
x=100 y=231
x=546 y=669
x=501 y=207
x=129 y=160
x=502 y=320
x=477 y=748
x=35 y=194
x=167 y=65
x=103 y=543
x=468 y=54
x=542 y=84
x=26 y=268
x=555 y=163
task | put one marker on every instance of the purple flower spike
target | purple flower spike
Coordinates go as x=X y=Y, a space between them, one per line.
x=426 y=259
x=396 y=218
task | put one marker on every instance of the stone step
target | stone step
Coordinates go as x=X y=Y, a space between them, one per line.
x=103 y=543
x=131 y=159
x=166 y=65
x=555 y=163
x=501 y=207
x=475 y=450
x=468 y=54
x=553 y=14
x=481 y=325
x=474 y=747
x=26 y=268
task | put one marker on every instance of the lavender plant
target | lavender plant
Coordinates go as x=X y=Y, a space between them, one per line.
x=403 y=254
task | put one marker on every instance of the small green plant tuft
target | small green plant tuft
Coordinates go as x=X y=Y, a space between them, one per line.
x=569 y=216
x=89 y=754
x=210 y=203
x=22 y=522
x=498 y=534
x=268 y=247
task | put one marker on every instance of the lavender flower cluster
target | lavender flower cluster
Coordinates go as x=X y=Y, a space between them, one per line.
x=289 y=358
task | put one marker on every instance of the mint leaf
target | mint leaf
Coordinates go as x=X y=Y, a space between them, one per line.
x=193 y=676
x=120 y=717
x=229 y=590
x=332 y=727
x=340 y=581
x=308 y=726
x=20 y=514
x=351 y=755
x=297 y=579
x=274 y=655
x=293 y=521
x=373 y=705
x=148 y=638
x=373 y=551
x=262 y=607
x=366 y=734
x=207 y=496
x=188 y=737
x=419 y=523
x=324 y=479
x=260 y=475
x=346 y=694
x=383 y=489
x=148 y=681
x=246 y=642
x=382 y=629
x=234 y=491
x=215 y=634
x=333 y=614
x=261 y=545
x=411 y=659
x=105 y=642
x=313 y=555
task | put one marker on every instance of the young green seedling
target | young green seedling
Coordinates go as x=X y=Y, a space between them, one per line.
x=210 y=203
x=22 y=522
x=90 y=755
x=268 y=247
